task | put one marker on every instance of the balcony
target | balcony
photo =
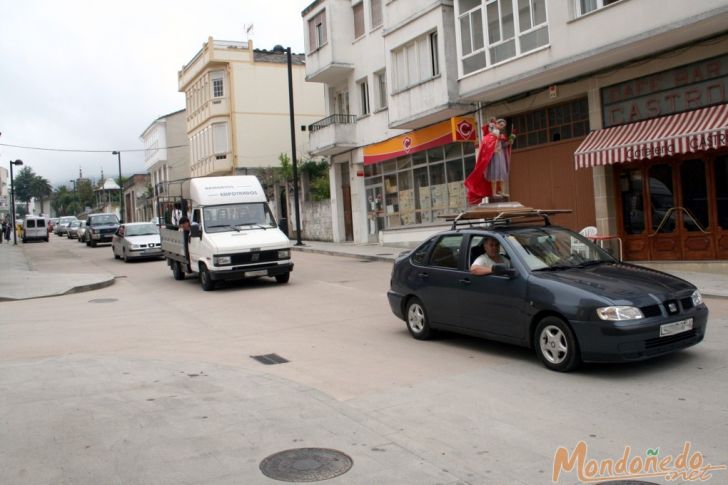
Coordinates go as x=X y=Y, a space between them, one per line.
x=332 y=135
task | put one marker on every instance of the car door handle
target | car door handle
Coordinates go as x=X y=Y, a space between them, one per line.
x=465 y=281
x=423 y=275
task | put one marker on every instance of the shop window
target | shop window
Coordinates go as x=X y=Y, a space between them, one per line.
x=435 y=155
x=419 y=158
x=404 y=162
x=455 y=188
x=453 y=150
x=438 y=190
x=406 y=198
x=694 y=195
x=391 y=200
x=633 y=214
x=662 y=198
x=423 y=203
x=721 y=190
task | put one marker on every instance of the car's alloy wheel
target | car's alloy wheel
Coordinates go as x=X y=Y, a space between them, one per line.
x=556 y=346
x=417 y=321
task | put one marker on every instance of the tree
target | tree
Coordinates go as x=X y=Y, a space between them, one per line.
x=41 y=188
x=23 y=184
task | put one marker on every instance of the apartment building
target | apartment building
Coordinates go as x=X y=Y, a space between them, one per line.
x=237 y=103
x=619 y=107
x=166 y=156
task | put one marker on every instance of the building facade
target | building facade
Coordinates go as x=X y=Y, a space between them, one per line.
x=237 y=103
x=138 y=198
x=166 y=156
x=539 y=65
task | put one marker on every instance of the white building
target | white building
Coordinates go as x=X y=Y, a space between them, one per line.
x=238 y=107
x=166 y=154
x=556 y=70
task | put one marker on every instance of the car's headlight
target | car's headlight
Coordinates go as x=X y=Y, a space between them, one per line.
x=135 y=246
x=221 y=260
x=284 y=254
x=697 y=298
x=615 y=313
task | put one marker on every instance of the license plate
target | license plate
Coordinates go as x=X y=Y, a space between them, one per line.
x=676 y=327
x=256 y=273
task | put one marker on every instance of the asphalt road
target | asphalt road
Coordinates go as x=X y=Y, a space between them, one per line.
x=151 y=380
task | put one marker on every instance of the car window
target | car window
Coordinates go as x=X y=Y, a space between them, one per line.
x=141 y=230
x=30 y=223
x=419 y=255
x=447 y=251
x=476 y=248
x=551 y=247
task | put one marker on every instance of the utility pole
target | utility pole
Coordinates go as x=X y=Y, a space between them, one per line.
x=293 y=148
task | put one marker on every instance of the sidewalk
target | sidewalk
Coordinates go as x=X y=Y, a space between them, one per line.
x=19 y=281
x=710 y=284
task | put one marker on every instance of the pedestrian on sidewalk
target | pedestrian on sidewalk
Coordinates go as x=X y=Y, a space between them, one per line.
x=6 y=230
x=2 y=232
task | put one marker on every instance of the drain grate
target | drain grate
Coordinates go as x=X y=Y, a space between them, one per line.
x=269 y=359
x=306 y=465
x=103 y=300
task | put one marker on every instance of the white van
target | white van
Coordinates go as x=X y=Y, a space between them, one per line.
x=35 y=227
x=233 y=234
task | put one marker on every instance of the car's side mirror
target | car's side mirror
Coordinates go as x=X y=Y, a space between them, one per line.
x=502 y=270
x=195 y=230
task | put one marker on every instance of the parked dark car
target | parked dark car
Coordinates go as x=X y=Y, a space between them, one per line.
x=562 y=295
x=100 y=228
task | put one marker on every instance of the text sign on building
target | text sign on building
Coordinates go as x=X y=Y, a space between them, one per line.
x=685 y=88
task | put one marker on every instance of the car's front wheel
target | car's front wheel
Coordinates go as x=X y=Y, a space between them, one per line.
x=417 y=322
x=283 y=278
x=177 y=272
x=206 y=281
x=556 y=345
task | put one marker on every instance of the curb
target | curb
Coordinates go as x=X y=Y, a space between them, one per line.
x=74 y=289
x=328 y=252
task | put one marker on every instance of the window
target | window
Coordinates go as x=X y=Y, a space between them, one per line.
x=217 y=84
x=559 y=122
x=583 y=7
x=447 y=252
x=510 y=28
x=416 y=62
x=381 y=78
x=342 y=103
x=376 y=13
x=220 y=138
x=317 y=31
x=364 y=97
x=358 y=20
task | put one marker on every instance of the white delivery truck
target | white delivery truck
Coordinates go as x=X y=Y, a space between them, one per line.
x=233 y=234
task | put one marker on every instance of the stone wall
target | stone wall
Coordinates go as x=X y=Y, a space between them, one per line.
x=316 y=221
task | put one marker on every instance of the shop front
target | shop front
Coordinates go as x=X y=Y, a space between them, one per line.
x=414 y=179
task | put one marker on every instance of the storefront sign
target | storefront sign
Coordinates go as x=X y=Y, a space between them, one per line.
x=689 y=87
x=457 y=129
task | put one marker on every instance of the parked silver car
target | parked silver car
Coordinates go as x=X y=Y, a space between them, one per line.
x=136 y=240
x=72 y=229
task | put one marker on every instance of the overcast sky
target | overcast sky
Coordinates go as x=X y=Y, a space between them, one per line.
x=93 y=74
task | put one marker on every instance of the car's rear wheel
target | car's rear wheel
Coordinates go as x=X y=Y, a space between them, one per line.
x=177 y=272
x=206 y=280
x=418 y=323
x=556 y=345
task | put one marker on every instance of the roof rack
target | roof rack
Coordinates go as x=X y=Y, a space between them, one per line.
x=495 y=216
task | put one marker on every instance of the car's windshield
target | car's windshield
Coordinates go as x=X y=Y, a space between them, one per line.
x=66 y=220
x=105 y=219
x=235 y=217
x=141 y=230
x=543 y=248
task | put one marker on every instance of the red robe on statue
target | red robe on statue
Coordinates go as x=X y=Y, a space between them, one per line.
x=476 y=183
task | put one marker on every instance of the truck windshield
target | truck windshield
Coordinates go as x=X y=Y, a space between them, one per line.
x=236 y=217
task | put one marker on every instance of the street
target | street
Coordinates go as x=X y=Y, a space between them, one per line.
x=152 y=381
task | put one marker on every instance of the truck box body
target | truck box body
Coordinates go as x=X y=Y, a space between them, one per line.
x=234 y=234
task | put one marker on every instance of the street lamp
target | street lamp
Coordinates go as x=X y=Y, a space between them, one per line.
x=74 y=191
x=12 y=198
x=121 y=190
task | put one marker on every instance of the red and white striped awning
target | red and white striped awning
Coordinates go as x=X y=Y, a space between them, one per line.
x=693 y=131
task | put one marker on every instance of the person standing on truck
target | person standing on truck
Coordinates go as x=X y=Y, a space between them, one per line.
x=176 y=215
x=184 y=228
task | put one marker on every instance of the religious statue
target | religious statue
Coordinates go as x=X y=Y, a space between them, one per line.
x=490 y=174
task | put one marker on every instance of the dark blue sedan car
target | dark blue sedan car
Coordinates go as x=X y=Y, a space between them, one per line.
x=556 y=292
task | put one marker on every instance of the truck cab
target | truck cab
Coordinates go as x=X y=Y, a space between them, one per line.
x=233 y=234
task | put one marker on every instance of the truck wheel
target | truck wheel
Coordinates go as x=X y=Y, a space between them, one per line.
x=177 y=271
x=206 y=279
x=283 y=278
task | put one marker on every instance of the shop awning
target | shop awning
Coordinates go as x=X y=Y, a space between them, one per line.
x=692 y=131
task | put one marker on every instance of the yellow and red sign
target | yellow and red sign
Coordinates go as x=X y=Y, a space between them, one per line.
x=457 y=129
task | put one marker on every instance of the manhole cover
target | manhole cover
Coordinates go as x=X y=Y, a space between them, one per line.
x=627 y=482
x=103 y=300
x=306 y=465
